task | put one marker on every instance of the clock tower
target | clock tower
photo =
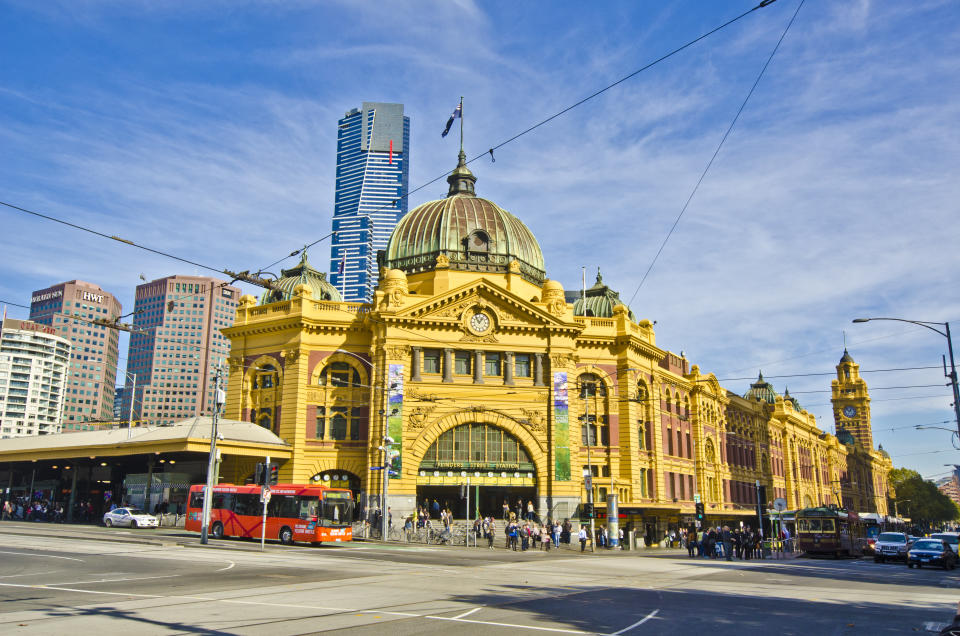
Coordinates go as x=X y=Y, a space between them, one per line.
x=851 y=402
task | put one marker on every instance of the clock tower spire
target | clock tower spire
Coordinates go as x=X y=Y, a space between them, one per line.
x=851 y=402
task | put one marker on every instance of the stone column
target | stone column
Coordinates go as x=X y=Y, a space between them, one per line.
x=415 y=364
x=478 y=367
x=538 y=369
x=448 y=365
x=508 y=368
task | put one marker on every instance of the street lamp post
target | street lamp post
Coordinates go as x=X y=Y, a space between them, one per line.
x=896 y=512
x=385 y=447
x=953 y=367
x=218 y=400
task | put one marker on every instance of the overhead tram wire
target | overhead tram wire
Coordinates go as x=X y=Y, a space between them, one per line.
x=717 y=151
x=489 y=152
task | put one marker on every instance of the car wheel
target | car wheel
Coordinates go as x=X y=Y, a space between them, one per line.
x=909 y=566
x=134 y=524
x=217 y=530
x=108 y=523
x=286 y=536
x=919 y=566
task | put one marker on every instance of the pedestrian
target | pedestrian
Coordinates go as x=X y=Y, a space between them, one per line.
x=530 y=514
x=506 y=510
x=727 y=543
x=691 y=541
x=491 y=531
x=557 y=529
x=620 y=538
x=583 y=538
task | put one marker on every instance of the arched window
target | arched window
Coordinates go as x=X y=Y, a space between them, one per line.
x=265 y=377
x=339 y=374
x=477 y=446
x=590 y=386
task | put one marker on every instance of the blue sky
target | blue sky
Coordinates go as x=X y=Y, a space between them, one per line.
x=209 y=130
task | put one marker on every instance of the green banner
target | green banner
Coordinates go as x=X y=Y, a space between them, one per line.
x=395 y=417
x=561 y=427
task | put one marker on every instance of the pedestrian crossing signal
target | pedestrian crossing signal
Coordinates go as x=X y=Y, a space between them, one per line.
x=586 y=511
x=699 y=509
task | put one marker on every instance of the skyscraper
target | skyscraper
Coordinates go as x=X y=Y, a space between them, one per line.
x=34 y=360
x=94 y=349
x=175 y=356
x=373 y=179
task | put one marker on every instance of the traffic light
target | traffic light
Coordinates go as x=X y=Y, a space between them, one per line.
x=463 y=491
x=258 y=475
x=699 y=509
x=587 y=511
x=274 y=474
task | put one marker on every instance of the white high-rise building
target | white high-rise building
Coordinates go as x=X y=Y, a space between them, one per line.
x=34 y=365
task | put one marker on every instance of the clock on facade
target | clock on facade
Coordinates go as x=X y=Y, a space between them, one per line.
x=849 y=411
x=479 y=322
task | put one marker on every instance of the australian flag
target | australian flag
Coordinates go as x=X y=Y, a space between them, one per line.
x=455 y=115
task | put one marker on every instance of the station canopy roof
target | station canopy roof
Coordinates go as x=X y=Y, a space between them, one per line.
x=192 y=435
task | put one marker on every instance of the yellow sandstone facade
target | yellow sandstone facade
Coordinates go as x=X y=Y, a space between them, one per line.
x=479 y=367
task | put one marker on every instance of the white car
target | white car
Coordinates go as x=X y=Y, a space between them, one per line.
x=131 y=517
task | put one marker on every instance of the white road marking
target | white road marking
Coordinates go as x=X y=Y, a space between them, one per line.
x=13 y=576
x=232 y=564
x=47 y=556
x=469 y=612
x=638 y=623
x=140 y=578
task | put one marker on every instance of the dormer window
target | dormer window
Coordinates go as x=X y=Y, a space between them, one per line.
x=478 y=241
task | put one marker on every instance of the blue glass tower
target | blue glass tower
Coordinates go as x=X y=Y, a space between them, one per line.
x=373 y=179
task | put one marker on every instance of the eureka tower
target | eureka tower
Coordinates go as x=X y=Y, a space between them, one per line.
x=373 y=180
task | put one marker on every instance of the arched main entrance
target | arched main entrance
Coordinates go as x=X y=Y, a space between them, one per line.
x=498 y=467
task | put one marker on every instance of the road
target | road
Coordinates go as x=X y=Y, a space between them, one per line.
x=62 y=579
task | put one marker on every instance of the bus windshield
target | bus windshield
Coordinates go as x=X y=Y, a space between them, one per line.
x=337 y=509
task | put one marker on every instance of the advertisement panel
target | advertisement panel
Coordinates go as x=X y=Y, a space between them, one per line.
x=561 y=419
x=395 y=417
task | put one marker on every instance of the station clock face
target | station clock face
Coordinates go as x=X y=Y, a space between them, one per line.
x=850 y=411
x=479 y=322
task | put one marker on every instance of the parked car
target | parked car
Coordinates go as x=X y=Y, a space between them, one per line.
x=931 y=552
x=129 y=517
x=892 y=546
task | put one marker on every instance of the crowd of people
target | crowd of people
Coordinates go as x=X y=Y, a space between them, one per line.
x=722 y=543
x=41 y=509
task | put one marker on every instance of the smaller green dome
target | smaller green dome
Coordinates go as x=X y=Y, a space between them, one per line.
x=302 y=274
x=598 y=301
x=846 y=357
x=883 y=452
x=761 y=390
x=845 y=437
x=792 y=400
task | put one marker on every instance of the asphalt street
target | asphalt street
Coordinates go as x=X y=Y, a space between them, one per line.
x=68 y=579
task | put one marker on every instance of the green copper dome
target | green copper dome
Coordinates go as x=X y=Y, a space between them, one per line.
x=845 y=437
x=761 y=390
x=464 y=232
x=598 y=301
x=302 y=274
x=846 y=357
x=792 y=400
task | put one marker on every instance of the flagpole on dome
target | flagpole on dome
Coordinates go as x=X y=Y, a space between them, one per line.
x=461 y=123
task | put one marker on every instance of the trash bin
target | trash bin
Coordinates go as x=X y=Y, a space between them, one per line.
x=628 y=544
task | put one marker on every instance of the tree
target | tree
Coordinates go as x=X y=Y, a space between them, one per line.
x=920 y=499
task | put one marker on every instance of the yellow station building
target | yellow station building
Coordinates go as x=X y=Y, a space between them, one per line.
x=480 y=368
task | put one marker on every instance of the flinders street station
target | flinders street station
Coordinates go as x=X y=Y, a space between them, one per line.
x=470 y=365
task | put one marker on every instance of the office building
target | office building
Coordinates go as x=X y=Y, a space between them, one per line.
x=118 y=403
x=172 y=361
x=70 y=307
x=373 y=179
x=34 y=362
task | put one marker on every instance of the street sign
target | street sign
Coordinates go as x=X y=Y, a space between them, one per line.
x=265 y=496
x=696 y=497
x=779 y=504
x=588 y=481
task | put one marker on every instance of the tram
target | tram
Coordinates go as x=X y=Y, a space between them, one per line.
x=830 y=531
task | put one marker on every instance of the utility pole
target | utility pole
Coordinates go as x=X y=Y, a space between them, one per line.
x=589 y=480
x=218 y=400
x=133 y=397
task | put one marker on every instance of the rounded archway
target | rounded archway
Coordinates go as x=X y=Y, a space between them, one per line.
x=495 y=464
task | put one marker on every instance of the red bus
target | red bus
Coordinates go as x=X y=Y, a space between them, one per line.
x=295 y=513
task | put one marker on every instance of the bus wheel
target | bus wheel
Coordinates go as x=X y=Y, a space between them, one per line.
x=217 y=530
x=286 y=536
